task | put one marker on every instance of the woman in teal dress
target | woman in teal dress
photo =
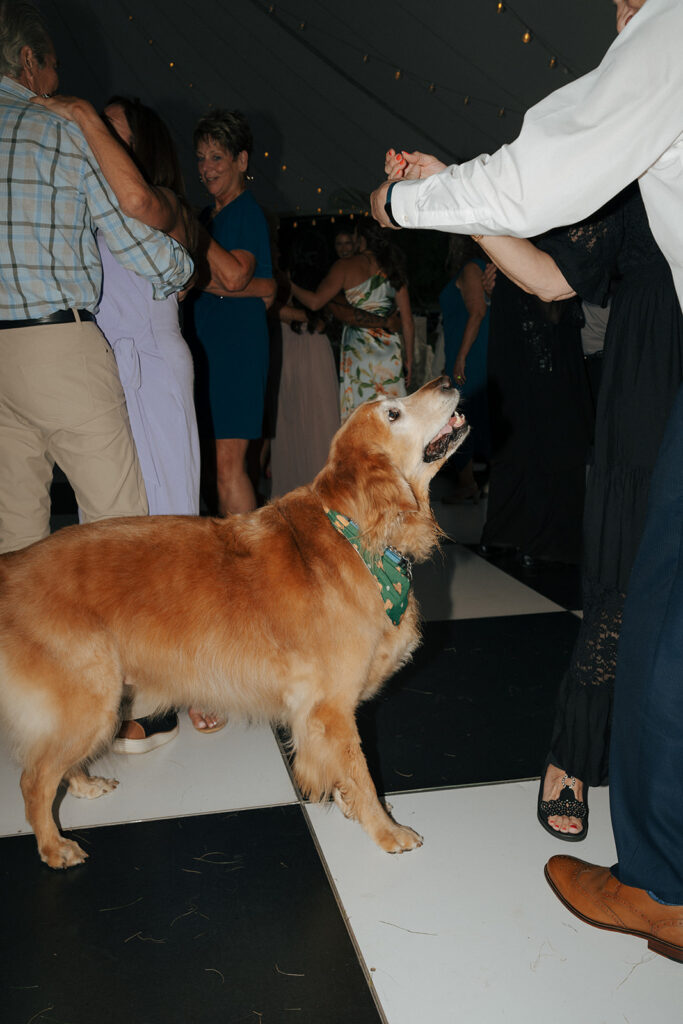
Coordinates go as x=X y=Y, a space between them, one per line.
x=372 y=359
x=230 y=332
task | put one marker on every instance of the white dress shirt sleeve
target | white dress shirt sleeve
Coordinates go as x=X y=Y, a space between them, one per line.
x=577 y=148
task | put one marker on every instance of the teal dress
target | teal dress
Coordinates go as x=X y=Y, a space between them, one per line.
x=229 y=336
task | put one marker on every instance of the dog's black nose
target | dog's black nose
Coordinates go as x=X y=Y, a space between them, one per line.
x=446 y=383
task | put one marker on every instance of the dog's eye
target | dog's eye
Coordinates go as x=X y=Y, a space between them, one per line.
x=393 y=414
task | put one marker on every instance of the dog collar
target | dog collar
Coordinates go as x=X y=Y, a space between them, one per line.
x=392 y=570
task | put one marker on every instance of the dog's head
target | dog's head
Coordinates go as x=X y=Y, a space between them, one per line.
x=383 y=459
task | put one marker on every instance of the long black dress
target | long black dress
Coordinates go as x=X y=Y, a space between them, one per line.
x=541 y=422
x=642 y=370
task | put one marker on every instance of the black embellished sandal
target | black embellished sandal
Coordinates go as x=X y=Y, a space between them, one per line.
x=566 y=805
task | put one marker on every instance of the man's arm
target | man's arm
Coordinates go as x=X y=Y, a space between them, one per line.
x=577 y=148
x=147 y=252
x=342 y=310
x=258 y=288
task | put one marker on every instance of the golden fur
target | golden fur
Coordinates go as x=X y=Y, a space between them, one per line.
x=270 y=615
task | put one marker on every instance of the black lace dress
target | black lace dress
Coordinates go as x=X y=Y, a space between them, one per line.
x=642 y=370
x=541 y=421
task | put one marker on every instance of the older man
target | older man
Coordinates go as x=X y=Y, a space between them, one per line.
x=60 y=396
x=577 y=149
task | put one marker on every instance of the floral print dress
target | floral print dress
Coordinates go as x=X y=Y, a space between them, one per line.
x=371 y=361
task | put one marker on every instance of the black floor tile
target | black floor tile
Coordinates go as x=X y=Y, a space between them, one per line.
x=476 y=705
x=217 y=918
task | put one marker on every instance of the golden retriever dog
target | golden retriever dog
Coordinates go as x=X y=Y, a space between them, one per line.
x=272 y=615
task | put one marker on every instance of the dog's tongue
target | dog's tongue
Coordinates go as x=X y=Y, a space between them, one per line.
x=454 y=422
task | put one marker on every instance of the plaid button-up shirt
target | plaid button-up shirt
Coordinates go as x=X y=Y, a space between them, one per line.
x=53 y=198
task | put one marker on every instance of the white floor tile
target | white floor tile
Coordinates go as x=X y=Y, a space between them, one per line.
x=466 y=930
x=237 y=768
x=457 y=584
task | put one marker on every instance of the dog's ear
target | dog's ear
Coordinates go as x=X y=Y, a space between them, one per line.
x=370 y=489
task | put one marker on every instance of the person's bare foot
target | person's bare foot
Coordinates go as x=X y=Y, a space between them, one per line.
x=204 y=721
x=555 y=781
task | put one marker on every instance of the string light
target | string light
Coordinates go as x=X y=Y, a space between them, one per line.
x=397 y=74
x=501 y=112
x=432 y=87
x=171 y=64
x=529 y=36
x=284 y=167
x=319 y=189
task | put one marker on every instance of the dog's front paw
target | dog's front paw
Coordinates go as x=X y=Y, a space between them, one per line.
x=62 y=854
x=398 y=839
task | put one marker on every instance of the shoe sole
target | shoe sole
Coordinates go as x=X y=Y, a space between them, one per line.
x=157 y=739
x=660 y=946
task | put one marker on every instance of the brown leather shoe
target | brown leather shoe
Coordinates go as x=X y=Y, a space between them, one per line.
x=600 y=899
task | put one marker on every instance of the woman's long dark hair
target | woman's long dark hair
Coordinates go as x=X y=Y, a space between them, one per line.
x=154 y=152
x=389 y=256
x=461 y=250
x=307 y=261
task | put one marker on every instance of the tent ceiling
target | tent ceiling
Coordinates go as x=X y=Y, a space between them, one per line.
x=328 y=86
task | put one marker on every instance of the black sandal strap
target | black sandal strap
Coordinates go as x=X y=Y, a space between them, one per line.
x=567 y=806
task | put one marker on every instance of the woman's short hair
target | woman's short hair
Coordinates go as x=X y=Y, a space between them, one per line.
x=21 y=25
x=229 y=128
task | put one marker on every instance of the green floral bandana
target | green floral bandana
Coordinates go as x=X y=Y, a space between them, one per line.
x=392 y=570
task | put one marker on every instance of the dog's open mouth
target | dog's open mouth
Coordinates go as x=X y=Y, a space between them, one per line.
x=449 y=437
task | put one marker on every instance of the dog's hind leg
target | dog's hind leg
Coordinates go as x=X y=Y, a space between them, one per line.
x=67 y=739
x=329 y=759
x=88 y=786
x=39 y=785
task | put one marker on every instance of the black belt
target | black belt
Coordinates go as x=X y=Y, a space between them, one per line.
x=60 y=316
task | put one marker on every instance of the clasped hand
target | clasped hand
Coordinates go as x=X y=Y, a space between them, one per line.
x=401 y=166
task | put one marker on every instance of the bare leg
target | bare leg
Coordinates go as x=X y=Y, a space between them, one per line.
x=235 y=490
